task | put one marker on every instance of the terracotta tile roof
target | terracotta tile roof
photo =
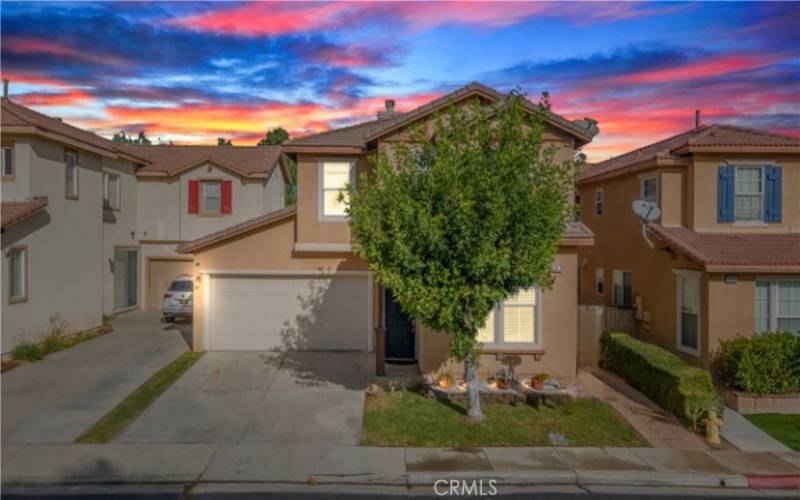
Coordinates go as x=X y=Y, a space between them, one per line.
x=16 y=115
x=773 y=252
x=249 y=161
x=358 y=135
x=707 y=136
x=237 y=229
x=12 y=212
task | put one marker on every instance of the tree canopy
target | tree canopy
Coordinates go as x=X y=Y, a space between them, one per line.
x=221 y=141
x=274 y=137
x=123 y=138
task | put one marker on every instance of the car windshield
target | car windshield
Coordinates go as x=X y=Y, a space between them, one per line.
x=181 y=286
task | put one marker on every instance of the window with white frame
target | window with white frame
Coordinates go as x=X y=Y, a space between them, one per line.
x=599 y=280
x=749 y=190
x=514 y=323
x=649 y=189
x=211 y=197
x=598 y=202
x=622 y=288
x=333 y=178
x=111 y=195
x=8 y=161
x=17 y=274
x=71 y=179
x=688 y=307
x=777 y=305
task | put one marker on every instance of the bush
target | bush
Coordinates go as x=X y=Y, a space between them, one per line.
x=53 y=343
x=27 y=351
x=766 y=363
x=676 y=386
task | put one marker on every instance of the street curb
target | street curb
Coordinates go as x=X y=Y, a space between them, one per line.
x=650 y=478
x=785 y=482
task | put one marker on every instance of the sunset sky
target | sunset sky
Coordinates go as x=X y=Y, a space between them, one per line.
x=192 y=72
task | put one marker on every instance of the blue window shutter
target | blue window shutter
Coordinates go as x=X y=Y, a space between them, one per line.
x=773 y=195
x=725 y=193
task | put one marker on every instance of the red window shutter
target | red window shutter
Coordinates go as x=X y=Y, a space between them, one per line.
x=227 y=197
x=194 y=197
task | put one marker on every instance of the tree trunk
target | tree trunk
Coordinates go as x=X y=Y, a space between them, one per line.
x=474 y=408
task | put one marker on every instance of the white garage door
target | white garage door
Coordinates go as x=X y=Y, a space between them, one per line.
x=259 y=313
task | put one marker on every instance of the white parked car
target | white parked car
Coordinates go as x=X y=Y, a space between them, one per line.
x=178 y=300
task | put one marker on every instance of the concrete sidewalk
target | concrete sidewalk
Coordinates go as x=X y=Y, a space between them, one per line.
x=744 y=435
x=193 y=464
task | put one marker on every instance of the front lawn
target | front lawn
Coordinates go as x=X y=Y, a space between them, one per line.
x=784 y=428
x=409 y=419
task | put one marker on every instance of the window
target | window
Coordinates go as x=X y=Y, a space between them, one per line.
x=688 y=308
x=649 y=189
x=8 y=161
x=17 y=274
x=514 y=323
x=598 y=202
x=599 y=280
x=71 y=181
x=777 y=306
x=623 y=288
x=211 y=196
x=111 y=191
x=749 y=194
x=334 y=176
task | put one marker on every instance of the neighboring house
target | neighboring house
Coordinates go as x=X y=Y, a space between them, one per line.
x=69 y=215
x=725 y=255
x=90 y=226
x=289 y=279
x=189 y=191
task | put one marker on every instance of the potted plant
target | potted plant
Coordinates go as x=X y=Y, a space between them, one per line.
x=504 y=378
x=445 y=380
x=538 y=380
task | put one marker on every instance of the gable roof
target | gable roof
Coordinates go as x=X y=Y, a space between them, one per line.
x=706 y=138
x=731 y=252
x=357 y=136
x=17 y=118
x=248 y=161
x=237 y=229
x=13 y=212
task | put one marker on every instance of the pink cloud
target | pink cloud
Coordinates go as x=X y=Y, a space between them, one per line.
x=30 y=45
x=700 y=69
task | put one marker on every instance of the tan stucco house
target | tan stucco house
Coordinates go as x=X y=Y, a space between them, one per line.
x=289 y=279
x=90 y=226
x=723 y=258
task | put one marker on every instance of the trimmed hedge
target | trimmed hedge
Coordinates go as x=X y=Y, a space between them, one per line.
x=673 y=384
x=766 y=363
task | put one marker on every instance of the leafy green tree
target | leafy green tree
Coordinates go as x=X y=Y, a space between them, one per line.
x=274 y=137
x=142 y=139
x=467 y=215
x=123 y=138
x=221 y=141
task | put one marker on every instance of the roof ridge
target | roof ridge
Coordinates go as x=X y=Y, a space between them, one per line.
x=755 y=131
x=347 y=127
x=651 y=145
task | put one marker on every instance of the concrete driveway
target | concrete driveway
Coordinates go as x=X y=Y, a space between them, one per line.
x=56 y=399
x=233 y=397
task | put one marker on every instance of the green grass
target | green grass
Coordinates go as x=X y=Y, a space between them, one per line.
x=27 y=351
x=114 y=422
x=409 y=419
x=784 y=428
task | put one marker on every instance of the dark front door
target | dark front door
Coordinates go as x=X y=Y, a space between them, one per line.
x=399 y=331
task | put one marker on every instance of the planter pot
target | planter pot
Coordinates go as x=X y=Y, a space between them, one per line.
x=503 y=384
x=537 y=384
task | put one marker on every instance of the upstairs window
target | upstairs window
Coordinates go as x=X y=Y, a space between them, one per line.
x=649 y=189
x=8 y=162
x=749 y=203
x=211 y=199
x=598 y=202
x=334 y=175
x=111 y=194
x=71 y=179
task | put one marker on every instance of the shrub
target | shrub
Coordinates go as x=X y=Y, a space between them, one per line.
x=53 y=343
x=682 y=389
x=766 y=363
x=27 y=351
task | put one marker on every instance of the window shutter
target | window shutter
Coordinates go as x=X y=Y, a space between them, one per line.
x=725 y=193
x=773 y=196
x=227 y=195
x=194 y=197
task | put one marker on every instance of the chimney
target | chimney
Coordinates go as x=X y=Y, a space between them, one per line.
x=5 y=88
x=696 y=118
x=389 y=111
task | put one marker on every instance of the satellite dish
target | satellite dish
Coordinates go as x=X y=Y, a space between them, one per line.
x=646 y=210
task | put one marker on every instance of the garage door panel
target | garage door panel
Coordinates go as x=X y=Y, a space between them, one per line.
x=271 y=313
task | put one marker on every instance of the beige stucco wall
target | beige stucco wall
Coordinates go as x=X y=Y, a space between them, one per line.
x=704 y=192
x=65 y=250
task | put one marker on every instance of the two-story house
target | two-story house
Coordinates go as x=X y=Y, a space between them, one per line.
x=723 y=258
x=289 y=279
x=90 y=226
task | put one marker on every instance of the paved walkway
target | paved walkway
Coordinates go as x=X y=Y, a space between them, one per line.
x=744 y=435
x=659 y=428
x=56 y=399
